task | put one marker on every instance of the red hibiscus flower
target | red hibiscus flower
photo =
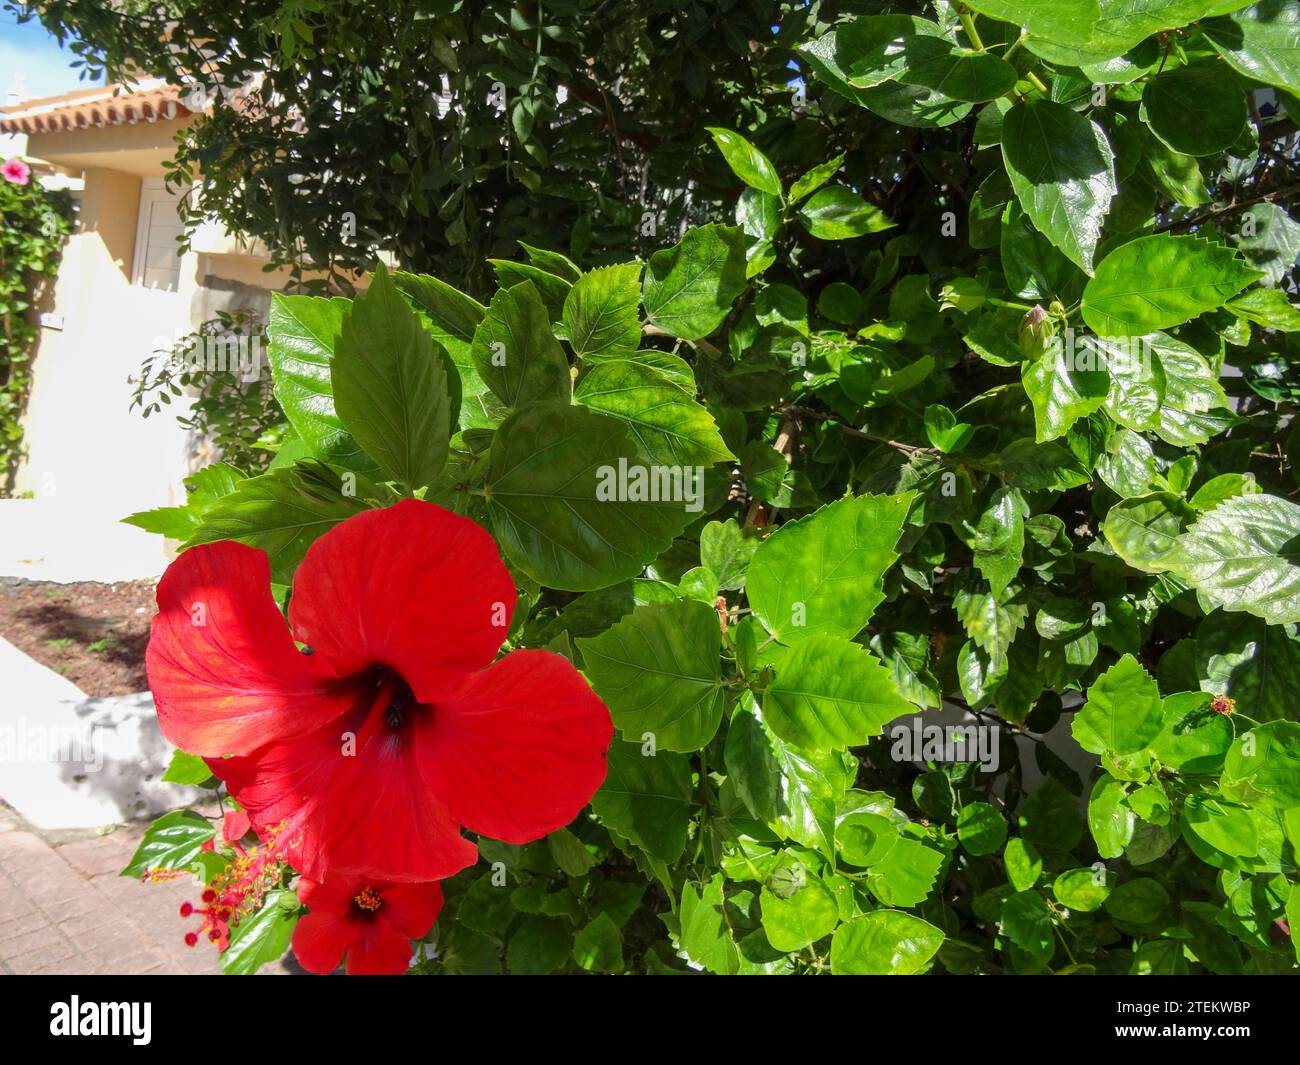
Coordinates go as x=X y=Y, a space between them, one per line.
x=372 y=923
x=367 y=756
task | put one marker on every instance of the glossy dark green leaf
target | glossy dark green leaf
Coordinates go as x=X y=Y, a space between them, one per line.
x=1060 y=166
x=572 y=502
x=658 y=672
x=390 y=385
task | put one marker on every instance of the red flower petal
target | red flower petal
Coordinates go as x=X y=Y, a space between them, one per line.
x=234 y=826
x=319 y=940
x=517 y=750
x=380 y=950
x=414 y=587
x=367 y=812
x=411 y=908
x=235 y=681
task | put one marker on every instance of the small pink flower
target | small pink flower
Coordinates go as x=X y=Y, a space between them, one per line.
x=16 y=171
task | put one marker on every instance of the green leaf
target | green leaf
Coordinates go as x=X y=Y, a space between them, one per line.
x=1060 y=395
x=1110 y=819
x=865 y=838
x=1144 y=531
x=794 y=792
x=658 y=671
x=551 y=288
x=602 y=312
x=1057 y=19
x=539 y=945
x=823 y=574
x=689 y=288
x=569 y=853
x=705 y=933
x=1269 y=238
x=647 y=798
x=516 y=353
x=263 y=936
x=173 y=841
x=997 y=539
x=815 y=177
x=830 y=693
x=1123 y=24
x=837 y=213
x=960 y=73
x=572 y=503
x=1050 y=817
x=1083 y=890
x=1193 y=738
x=552 y=262
x=1263 y=766
x=981 y=828
x=1245 y=555
x=187 y=768
x=1141 y=901
x=301 y=334
x=803 y=918
x=746 y=162
x=1261 y=43
x=1159 y=281
x=464 y=952
x=1197 y=110
x=451 y=318
x=598 y=947
x=1024 y=863
x=282 y=512
x=884 y=943
x=670 y=427
x=905 y=874
x=944 y=431
x=1123 y=713
x=176 y=523
x=390 y=385
x=991 y=621
x=727 y=549
x=1250 y=661
x=1060 y=167
x=1268 y=307
x=1027 y=922
x=1223 y=826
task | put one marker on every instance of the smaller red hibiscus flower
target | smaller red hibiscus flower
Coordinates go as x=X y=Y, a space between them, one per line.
x=16 y=171
x=372 y=923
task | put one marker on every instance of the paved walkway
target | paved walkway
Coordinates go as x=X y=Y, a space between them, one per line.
x=64 y=909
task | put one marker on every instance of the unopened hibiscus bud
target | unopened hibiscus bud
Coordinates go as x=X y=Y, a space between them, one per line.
x=1036 y=330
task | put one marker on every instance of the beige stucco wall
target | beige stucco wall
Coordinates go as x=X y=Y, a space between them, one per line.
x=84 y=445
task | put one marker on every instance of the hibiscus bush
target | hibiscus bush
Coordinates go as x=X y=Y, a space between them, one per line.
x=902 y=578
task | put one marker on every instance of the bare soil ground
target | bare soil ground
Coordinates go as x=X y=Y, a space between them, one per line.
x=94 y=634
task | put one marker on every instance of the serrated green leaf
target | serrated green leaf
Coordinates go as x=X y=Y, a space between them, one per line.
x=658 y=671
x=1159 y=281
x=822 y=575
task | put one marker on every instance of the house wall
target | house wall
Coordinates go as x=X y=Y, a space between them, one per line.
x=84 y=445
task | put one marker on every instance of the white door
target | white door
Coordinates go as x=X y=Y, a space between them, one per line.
x=156 y=263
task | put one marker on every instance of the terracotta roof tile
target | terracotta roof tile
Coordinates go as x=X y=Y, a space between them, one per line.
x=109 y=105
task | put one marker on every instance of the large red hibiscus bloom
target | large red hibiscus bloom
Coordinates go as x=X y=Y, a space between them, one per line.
x=373 y=923
x=367 y=755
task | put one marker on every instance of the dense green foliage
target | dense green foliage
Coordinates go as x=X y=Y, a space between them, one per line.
x=447 y=130
x=993 y=396
x=31 y=241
